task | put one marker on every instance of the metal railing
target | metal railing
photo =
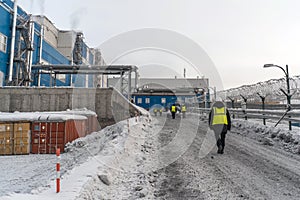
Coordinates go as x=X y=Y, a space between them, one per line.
x=293 y=116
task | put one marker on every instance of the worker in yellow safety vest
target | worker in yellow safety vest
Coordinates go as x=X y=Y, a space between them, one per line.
x=155 y=111
x=183 y=110
x=173 y=110
x=160 y=111
x=220 y=122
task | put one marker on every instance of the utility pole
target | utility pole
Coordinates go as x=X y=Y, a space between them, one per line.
x=288 y=93
x=263 y=99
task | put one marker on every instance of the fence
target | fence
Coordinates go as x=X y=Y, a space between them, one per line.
x=293 y=116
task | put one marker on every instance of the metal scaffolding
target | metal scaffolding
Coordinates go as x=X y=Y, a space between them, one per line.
x=22 y=58
x=78 y=47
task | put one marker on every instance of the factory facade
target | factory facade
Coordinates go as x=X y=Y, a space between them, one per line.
x=163 y=92
x=36 y=42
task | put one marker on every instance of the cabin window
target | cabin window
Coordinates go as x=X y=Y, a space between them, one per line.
x=163 y=100
x=139 y=100
x=147 y=100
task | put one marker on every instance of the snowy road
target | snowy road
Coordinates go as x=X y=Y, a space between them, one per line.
x=161 y=159
x=247 y=170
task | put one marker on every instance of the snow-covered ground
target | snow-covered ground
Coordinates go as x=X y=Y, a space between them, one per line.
x=33 y=176
x=268 y=134
x=116 y=162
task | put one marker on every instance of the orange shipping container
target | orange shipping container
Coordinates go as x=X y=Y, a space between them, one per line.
x=55 y=131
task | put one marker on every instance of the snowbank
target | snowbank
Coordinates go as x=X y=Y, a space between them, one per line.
x=269 y=135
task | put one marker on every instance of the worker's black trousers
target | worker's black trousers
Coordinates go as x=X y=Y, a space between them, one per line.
x=220 y=138
x=173 y=115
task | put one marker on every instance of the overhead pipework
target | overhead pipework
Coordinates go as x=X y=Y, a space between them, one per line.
x=124 y=71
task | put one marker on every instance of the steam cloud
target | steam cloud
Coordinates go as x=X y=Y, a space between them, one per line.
x=76 y=16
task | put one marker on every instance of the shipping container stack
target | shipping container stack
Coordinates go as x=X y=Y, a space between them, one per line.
x=6 y=136
x=43 y=132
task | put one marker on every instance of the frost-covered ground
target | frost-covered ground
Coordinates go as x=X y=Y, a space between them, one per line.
x=279 y=136
x=122 y=163
x=84 y=159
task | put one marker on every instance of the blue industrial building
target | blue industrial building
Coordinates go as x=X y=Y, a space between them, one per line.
x=157 y=98
x=37 y=41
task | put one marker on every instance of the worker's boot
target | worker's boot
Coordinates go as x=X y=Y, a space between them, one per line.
x=220 y=148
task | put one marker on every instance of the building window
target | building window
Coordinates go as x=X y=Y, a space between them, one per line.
x=139 y=100
x=147 y=100
x=3 y=42
x=61 y=77
x=163 y=100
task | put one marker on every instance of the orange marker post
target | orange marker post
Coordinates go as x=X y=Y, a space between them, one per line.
x=58 y=170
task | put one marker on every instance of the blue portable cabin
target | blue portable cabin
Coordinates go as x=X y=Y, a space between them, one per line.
x=156 y=98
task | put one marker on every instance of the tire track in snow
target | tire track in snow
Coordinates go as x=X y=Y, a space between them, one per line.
x=247 y=170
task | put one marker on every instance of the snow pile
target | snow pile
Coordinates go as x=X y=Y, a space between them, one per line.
x=124 y=174
x=95 y=166
x=269 y=135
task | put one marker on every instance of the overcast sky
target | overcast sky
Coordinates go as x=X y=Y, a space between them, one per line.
x=239 y=36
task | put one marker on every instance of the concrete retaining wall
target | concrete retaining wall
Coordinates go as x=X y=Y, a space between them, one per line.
x=108 y=103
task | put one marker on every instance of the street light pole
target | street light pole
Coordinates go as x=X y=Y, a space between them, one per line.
x=288 y=87
x=288 y=94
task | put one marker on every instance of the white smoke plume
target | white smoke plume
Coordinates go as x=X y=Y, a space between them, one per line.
x=76 y=16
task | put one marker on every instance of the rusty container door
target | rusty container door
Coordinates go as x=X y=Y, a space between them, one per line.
x=39 y=136
x=6 y=139
x=71 y=131
x=21 y=138
x=81 y=127
x=95 y=124
x=56 y=137
x=89 y=123
x=75 y=129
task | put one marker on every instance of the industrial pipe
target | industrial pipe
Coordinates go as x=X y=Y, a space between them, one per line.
x=30 y=55
x=41 y=49
x=13 y=39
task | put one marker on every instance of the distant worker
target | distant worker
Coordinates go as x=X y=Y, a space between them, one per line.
x=220 y=122
x=173 y=110
x=160 y=111
x=155 y=111
x=183 y=110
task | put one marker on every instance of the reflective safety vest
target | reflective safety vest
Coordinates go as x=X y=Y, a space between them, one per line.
x=173 y=109
x=183 y=109
x=219 y=116
x=155 y=110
